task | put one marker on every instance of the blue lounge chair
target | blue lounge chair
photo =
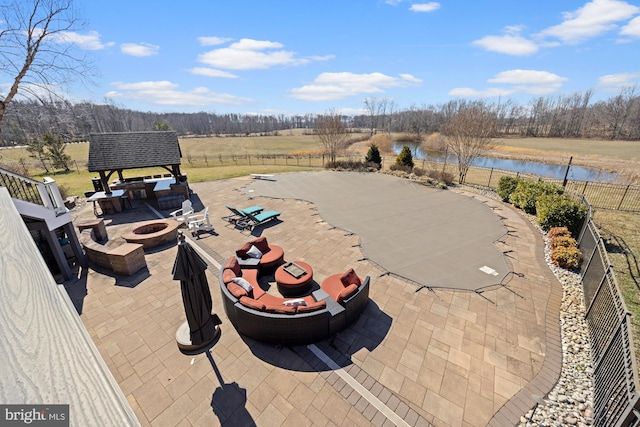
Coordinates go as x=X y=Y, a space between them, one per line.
x=251 y=221
x=238 y=214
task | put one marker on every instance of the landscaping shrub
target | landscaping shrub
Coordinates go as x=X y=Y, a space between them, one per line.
x=558 y=231
x=558 y=210
x=506 y=186
x=373 y=156
x=441 y=176
x=419 y=172
x=402 y=168
x=527 y=193
x=563 y=242
x=405 y=158
x=566 y=257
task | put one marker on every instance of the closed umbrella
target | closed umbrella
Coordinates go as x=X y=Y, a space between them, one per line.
x=190 y=268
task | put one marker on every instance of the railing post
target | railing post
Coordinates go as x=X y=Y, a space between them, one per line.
x=490 y=175
x=623 y=196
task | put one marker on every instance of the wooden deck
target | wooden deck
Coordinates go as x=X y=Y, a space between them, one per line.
x=47 y=355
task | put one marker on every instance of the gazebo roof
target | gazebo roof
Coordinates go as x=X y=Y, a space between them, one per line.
x=132 y=150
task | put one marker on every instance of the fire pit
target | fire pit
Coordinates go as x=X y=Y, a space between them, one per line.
x=153 y=233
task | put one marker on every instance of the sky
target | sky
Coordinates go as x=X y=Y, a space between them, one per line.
x=308 y=57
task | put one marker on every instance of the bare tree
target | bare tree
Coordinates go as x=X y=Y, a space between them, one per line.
x=377 y=109
x=469 y=133
x=332 y=132
x=36 y=48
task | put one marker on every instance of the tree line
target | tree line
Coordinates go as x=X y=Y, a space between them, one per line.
x=562 y=116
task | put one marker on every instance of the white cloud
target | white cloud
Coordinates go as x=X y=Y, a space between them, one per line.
x=593 y=19
x=90 y=41
x=212 y=41
x=531 y=82
x=212 y=72
x=167 y=93
x=632 y=28
x=333 y=86
x=511 y=43
x=425 y=7
x=467 y=92
x=615 y=82
x=139 y=49
x=393 y=2
x=249 y=54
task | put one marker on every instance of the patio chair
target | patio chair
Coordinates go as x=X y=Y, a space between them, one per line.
x=199 y=222
x=238 y=214
x=182 y=214
x=251 y=221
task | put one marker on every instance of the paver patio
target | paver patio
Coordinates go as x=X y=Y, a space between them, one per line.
x=421 y=357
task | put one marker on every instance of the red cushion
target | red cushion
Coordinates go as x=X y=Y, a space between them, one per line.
x=236 y=290
x=281 y=309
x=350 y=277
x=347 y=292
x=251 y=303
x=228 y=275
x=234 y=265
x=261 y=243
x=318 y=305
x=242 y=251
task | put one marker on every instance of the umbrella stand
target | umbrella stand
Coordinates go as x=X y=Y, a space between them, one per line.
x=202 y=326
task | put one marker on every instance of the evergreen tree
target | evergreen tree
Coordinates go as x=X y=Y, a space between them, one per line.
x=405 y=158
x=373 y=156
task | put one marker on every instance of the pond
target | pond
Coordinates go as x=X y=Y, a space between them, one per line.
x=554 y=171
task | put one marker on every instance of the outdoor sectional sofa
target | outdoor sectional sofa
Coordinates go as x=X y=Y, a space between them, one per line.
x=265 y=317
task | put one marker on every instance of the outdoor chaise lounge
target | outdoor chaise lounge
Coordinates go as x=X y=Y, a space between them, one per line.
x=238 y=214
x=251 y=221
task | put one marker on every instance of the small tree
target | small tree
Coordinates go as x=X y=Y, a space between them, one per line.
x=160 y=125
x=373 y=156
x=469 y=134
x=55 y=147
x=405 y=158
x=36 y=149
x=331 y=132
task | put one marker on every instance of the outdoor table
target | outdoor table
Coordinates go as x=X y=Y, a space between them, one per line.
x=290 y=285
x=107 y=201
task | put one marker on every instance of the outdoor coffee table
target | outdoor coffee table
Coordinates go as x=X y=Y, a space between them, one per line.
x=294 y=278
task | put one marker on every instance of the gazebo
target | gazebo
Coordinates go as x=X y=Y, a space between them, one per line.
x=117 y=151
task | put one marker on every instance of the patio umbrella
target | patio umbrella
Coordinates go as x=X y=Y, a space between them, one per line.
x=190 y=268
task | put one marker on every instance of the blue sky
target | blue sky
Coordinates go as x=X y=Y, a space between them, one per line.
x=298 y=57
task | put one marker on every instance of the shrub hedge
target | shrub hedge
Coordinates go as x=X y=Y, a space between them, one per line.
x=526 y=194
x=557 y=210
x=506 y=186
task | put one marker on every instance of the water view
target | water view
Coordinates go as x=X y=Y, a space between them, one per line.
x=554 y=171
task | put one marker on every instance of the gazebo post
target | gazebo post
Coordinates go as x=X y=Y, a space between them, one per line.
x=105 y=182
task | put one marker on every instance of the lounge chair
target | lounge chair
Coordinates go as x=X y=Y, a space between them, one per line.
x=199 y=222
x=251 y=221
x=182 y=215
x=238 y=214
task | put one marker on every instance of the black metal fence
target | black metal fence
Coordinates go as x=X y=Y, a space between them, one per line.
x=616 y=400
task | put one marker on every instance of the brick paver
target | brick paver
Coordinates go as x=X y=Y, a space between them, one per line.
x=435 y=356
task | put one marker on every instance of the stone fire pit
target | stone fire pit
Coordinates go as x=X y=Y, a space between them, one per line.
x=153 y=233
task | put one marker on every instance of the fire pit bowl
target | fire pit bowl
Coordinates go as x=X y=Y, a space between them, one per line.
x=153 y=233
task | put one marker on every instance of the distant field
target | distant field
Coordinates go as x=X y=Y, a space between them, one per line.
x=624 y=150
x=208 y=158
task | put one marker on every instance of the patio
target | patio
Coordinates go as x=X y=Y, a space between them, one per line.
x=415 y=357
